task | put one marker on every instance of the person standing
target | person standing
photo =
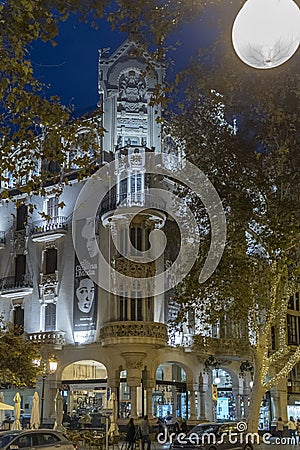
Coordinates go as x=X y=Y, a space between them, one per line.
x=279 y=427
x=130 y=436
x=292 y=427
x=145 y=433
x=177 y=425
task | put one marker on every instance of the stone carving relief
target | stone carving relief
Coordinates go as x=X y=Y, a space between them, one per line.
x=134 y=269
x=132 y=92
x=136 y=160
x=48 y=287
x=132 y=86
x=150 y=330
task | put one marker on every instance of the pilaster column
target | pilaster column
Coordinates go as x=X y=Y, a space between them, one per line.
x=134 y=365
x=246 y=407
x=202 y=411
x=149 y=402
x=133 y=401
x=192 y=388
x=202 y=390
x=174 y=401
x=237 y=399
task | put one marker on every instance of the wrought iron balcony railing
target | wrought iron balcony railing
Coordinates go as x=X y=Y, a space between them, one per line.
x=16 y=282
x=130 y=200
x=44 y=226
x=55 y=338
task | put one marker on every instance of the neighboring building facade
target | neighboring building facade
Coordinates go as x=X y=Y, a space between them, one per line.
x=120 y=341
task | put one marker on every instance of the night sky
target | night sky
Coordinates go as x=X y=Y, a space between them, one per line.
x=69 y=70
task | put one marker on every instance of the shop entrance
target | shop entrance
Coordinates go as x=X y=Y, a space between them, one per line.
x=85 y=392
x=170 y=398
x=226 y=407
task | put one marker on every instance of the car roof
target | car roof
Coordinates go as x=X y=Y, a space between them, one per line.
x=3 y=433
x=217 y=423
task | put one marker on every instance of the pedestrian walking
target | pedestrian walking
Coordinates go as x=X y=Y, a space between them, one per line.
x=130 y=435
x=292 y=427
x=145 y=433
x=280 y=427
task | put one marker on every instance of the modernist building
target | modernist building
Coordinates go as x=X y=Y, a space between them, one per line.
x=117 y=339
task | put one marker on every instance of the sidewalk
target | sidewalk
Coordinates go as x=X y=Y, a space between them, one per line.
x=156 y=446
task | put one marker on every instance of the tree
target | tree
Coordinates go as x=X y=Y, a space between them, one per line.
x=256 y=171
x=35 y=127
x=17 y=355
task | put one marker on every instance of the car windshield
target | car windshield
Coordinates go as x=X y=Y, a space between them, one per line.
x=6 y=438
x=205 y=428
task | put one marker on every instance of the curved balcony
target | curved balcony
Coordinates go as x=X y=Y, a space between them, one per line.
x=129 y=200
x=48 y=230
x=134 y=333
x=53 y=338
x=130 y=204
x=16 y=286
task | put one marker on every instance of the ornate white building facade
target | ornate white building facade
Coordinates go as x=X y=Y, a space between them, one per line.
x=118 y=338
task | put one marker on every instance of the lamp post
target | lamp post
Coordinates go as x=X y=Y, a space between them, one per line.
x=212 y=363
x=49 y=367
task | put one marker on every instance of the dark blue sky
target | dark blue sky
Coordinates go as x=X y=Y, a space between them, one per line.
x=70 y=69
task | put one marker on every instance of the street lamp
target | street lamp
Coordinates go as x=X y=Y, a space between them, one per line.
x=217 y=379
x=266 y=33
x=49 y=366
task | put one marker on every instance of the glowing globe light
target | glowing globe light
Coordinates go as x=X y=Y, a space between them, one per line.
x=217 y=380
x=266 y=33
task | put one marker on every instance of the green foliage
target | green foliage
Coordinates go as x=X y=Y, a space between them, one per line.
x=16 y=357
x=256 y=173
x=26 y=113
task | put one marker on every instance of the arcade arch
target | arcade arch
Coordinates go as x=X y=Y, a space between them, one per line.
x=170 y=396
x=84 y=389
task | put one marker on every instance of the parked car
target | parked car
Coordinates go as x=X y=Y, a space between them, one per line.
x=37 y=439
x=216 y=436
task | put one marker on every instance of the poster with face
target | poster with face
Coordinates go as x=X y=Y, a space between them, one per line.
x=85 y=288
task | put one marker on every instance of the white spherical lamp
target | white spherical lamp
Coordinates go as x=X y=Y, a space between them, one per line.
x=266 y=33
x=217 y=380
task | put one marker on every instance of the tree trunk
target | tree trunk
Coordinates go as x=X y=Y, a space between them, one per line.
x=258 y=391
x=254 y=409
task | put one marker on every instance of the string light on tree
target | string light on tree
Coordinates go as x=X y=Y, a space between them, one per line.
x=266 y=33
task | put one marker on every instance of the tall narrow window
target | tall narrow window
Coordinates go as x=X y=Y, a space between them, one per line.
x=19 y=318
x=293 y=338
x=136 y=239
x=52 y=207
x=136 y=306
x=20 y=268
x=50 y=317
x=273 y=338
x=21 y=217
x=50 y=260
x=123 y=308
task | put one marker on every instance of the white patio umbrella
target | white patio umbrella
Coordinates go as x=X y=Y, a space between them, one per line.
x=35 y=413
x=17 y=399
x=59 y=411
x=2 y=414
x=5 y=407
x=112 y=404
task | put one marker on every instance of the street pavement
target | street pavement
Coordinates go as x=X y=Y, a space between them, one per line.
x=273 y=445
